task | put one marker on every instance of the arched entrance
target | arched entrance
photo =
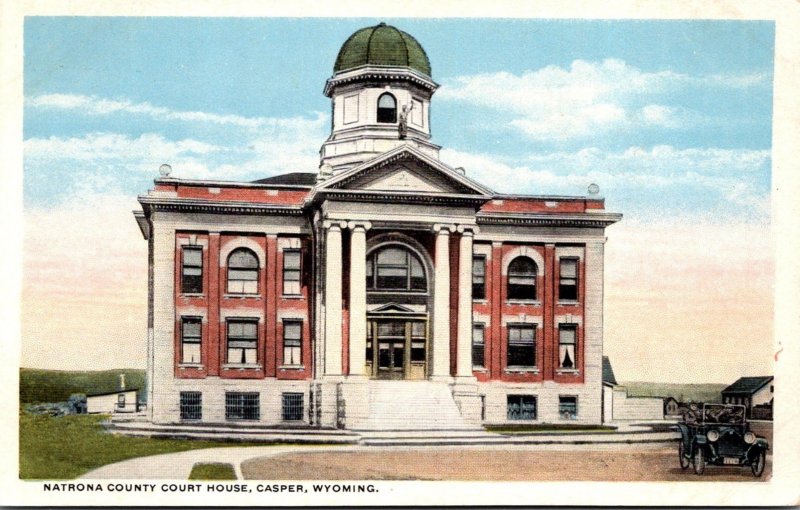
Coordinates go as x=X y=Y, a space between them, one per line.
x=397 y=309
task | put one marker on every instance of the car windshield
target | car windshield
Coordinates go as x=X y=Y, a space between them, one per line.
x=719 y=413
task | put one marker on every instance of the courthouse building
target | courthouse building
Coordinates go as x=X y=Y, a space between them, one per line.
x=386 y=290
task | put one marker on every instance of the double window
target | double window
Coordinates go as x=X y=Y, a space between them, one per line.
x=191 y=335
x=291 y=272
x=292 y=342
x=567 y=338
x=521 y=345
x=568 y=279
x=478 y=346
x=242 y=406
x=242 y=341
x=242 y=272
x=387 y=109
x=522 y=274
x=191 y=405
x=521 y=407
x=192 y=270
x=395 y=268
x=479 y=277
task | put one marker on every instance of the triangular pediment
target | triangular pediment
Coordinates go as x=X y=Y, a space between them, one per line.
x=393 y=308
x=405 y=170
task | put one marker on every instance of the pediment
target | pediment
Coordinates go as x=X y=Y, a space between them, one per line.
x=393 y=308
x=405 y=170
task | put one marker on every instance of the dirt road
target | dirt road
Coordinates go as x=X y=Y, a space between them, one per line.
x=624 y=463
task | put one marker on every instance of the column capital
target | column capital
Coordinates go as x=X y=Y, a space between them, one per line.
x=331 y=224
x=468 y=230
x=366 y=225
x=444 y=228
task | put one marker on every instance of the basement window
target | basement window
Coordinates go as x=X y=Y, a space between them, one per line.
x=292 y=407
x=568 y=407
x=521 y=407
x=242 y=406
x=191 y=405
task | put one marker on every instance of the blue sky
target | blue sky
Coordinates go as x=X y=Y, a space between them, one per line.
x=671 y=118
x=662 y=114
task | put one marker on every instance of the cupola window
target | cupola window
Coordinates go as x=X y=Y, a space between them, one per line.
x=387 y=109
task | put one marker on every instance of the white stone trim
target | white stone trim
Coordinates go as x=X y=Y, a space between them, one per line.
x=523 y=318
x=482 y=249
x=242 y=242
x=191 y=311
x=481 y=318
x=289 y=243
x=191 y=241
x=569 y=252
x=524 y=251
x=568 y=319
x=292 y=315
x=241 y=313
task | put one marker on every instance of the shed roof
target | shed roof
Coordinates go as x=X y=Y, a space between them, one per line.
x=126 y=390
x=748 y=385
x=608 y=372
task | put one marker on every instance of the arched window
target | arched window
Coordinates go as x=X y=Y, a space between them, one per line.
x=395 y=268
x=242 y=272
x=522 y=278
x=387 y=109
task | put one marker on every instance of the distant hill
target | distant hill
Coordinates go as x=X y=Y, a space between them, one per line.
x=37 y=385
x=680 y=392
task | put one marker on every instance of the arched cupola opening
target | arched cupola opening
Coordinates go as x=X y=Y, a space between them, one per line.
x=387 y=109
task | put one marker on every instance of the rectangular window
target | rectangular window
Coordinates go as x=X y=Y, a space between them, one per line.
x=291 y=272
x=292 y=407
x=479 y=277
x=418 y=342
x=242 y=406
x=567 y=334
x=191 y=333
x=242 y=341
x=292 y=342
x=192 y=270
x=522 y=345
x=521 y=407
x=568 y=280
x=568 y=408
x=191 y=405
x=478 y=346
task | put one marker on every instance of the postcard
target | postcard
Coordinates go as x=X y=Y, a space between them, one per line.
x=504 y=255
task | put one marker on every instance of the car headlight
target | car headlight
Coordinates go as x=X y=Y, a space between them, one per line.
x=713 y=435
x=749 y=438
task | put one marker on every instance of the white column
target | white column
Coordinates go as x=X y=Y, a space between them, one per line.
x=464 y=350
x=441 y=303
x=333 y=299
x=358 y=296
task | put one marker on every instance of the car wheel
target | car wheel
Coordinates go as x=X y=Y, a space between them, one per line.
x=699 y=461
x=759 y=464
x=682 y=456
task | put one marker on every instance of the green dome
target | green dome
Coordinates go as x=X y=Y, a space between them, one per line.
x=382 y=45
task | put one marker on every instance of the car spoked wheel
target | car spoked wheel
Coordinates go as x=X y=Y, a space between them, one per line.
x=682 y=456
x=699 y=461
x=759 y=464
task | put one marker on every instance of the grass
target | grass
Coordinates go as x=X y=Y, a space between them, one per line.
x=706 y=392
x=548 y=428
x=212 y=471
x=57 y=385
x=68 y=447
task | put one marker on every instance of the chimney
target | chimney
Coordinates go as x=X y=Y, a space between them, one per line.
x=121 y=382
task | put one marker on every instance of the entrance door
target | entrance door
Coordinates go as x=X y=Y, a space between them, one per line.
x=400 y=348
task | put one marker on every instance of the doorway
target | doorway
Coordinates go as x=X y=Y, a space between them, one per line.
x=397 y=348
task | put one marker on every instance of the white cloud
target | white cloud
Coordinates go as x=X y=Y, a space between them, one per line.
x=587 y=99
x=92 y=105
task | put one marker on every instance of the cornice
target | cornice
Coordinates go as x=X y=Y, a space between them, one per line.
x=216 y=207
x=401 y=197
x=592 y=220
x=378 y=73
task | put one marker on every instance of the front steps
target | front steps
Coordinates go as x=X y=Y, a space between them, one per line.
x=398 y=406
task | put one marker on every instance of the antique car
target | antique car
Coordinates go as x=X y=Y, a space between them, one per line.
x=718 y=434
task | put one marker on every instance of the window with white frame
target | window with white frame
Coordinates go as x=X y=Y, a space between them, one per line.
x=292 y=342
x=191 y=336
x=478 y=346
x=242 y=272
x=521 y=350
x=395 y=268
x=242 y=341
x=291 y=272
x=522 y=274
x=521 y=407
x=568 y=279
x=387 y=109
x=192 y=270
x=568 y=407
x=567 y=339
x=479 y=277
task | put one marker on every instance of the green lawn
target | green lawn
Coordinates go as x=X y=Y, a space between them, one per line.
x=67 y=447
x=37 y=385
x=212 y=471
